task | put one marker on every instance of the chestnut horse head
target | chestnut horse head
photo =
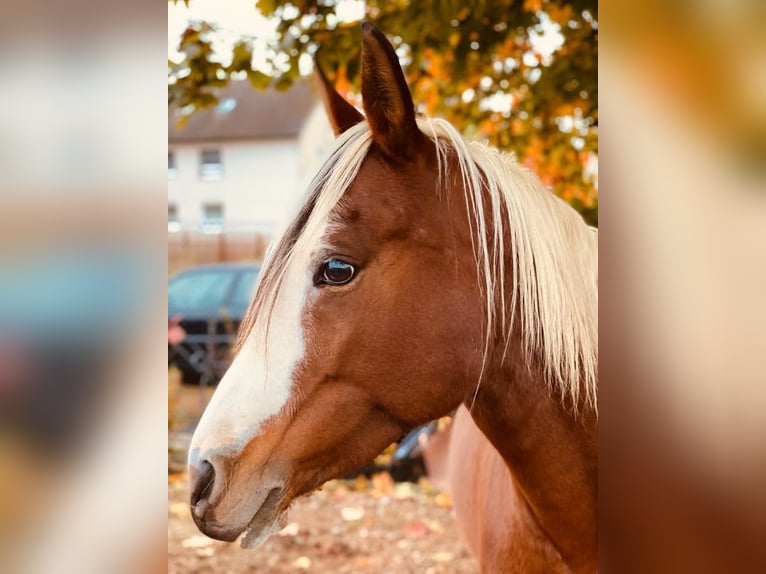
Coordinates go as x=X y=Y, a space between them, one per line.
x=417 y=261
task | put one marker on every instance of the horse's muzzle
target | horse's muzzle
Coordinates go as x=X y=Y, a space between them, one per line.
x=202 y=481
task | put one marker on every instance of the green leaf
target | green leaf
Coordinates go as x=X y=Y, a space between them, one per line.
x=258 y=79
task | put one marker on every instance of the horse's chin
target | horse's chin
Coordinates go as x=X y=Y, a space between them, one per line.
x=268 y=520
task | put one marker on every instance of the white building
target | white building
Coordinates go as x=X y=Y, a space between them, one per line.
x=243 y=165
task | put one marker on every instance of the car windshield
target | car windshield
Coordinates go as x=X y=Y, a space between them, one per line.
x=243 y=292
x=201 y=289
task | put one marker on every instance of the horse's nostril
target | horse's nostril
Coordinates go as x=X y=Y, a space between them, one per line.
x=202 y=480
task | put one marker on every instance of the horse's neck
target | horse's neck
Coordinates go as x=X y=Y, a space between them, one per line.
x=552 y=456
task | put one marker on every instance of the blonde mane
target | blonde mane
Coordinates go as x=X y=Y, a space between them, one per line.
x=553 y=253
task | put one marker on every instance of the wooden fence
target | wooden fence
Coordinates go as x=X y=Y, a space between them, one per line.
x=189 y=247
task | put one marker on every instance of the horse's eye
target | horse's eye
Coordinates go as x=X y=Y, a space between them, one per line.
x=335 y=272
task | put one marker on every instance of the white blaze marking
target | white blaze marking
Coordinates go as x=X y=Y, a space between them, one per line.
x=258 y=383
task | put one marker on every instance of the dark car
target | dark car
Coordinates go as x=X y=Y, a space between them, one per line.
x=208 y=303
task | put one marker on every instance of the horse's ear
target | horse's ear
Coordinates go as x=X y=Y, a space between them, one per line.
x=385 y=96
x=342 y=115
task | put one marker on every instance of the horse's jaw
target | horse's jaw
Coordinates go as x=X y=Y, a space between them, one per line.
x=267 y=520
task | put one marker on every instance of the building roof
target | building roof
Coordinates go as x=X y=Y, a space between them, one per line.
x=246 y=113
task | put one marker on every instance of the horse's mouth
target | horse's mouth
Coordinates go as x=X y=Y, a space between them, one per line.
x=267 y=520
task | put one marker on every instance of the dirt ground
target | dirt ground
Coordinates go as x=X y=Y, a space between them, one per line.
x=371 y=526
x=365 y=525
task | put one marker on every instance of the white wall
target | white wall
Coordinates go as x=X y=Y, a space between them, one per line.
x=315 y=141
x=259 y=180
x=263 y=182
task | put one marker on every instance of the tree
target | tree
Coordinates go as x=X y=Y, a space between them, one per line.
x=479 y=64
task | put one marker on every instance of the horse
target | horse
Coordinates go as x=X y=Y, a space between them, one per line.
x=422 y=272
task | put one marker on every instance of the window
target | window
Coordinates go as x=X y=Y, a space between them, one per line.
x=212 y=217
x=199 y=290
x=243 y=292
x=172 y=170
x=173 y=223
x=210 y=167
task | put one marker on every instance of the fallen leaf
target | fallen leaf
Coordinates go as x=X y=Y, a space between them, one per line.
x=361 y=483
x=363 y=562
x=435 y=526
x=179 y=509
x=403 y=490
x=443 y=499
x=416 y=529
x=197 y=541
x=352 y=513
x=176 y=477
x=340 y=492
x=427 y=487
x=443 y=556
x=290 y=530
x=382 y=483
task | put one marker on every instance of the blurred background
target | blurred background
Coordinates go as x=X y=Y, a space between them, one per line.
x=85 y=256
x=82 y=288
x=683 y=268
